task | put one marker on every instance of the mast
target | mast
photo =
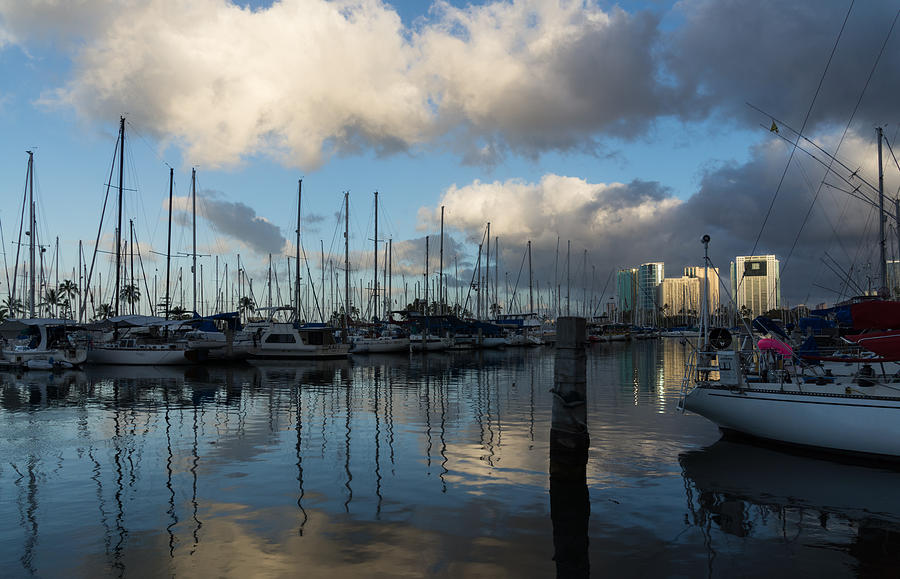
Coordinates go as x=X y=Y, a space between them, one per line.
x=31 y=235
x=390 y=281
x=297 y=250
x=80 y=283
x=194 y=233
x=324 y=289
x=131 y=265
x=346 y=263
x=119 y=222
x=497 y=276
x=487 y=274
x=426 y=275
x=530 y=282
x=169 y=243
x=883 y=289
x=441 y=297
x=704 y=299
x=568 y=277
x=375 y=274
x=269 y=283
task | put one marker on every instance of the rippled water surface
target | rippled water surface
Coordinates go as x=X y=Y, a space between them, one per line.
x=410 y=466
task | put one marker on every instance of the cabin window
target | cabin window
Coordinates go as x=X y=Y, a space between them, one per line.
x=281 y=339
x=313 y=338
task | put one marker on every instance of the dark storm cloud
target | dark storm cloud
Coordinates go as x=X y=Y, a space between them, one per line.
x=234 y=220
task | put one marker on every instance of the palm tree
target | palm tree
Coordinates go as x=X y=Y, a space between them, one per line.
x=130 y=293
x=68 y=289
x=52 y=299
x=102 y=311
x=13 y=306
x=245 y=305
x=177 y=312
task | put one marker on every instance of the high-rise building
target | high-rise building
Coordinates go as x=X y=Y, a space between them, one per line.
x=626 y=292
x=681 y=297
x=756 y=283
x=650 y=275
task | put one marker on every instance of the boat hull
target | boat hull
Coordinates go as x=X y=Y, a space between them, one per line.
x=380 y=345
x=161 y=356
x=827 y=419
x=301 y=352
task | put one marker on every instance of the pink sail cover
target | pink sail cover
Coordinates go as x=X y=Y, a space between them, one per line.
x=775 y=345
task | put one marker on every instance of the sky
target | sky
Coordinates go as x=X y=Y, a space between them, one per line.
x=623 y=131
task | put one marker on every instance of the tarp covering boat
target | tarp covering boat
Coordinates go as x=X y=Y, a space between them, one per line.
x=865 y=315
x=885 y=344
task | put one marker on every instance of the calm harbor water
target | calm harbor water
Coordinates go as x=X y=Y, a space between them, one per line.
x=410 y=466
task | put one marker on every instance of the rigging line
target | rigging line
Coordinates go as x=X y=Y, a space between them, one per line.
x=843 y=136
x=87 y=283
x=838 y=175
x=784 y=125
x=5 y=263
x=516 y=287
x=802 y=128
x=894 y=157
x=144 y=274
x=812 y=205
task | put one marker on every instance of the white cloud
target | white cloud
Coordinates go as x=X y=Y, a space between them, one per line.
x=556 y=206
x=302 y=80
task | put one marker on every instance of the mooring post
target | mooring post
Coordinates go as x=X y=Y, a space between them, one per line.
x=570 y=506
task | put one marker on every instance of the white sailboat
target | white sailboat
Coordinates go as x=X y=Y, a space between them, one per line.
x=766 y=392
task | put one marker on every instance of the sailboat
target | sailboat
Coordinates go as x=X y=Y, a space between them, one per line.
x=289 y=340
x=35 y=342
x=764 y=391
x=380 y=338
x=136 y=339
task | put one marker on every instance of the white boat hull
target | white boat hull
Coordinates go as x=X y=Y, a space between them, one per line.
x=380 y=345
x=46 y=359
x=865 y=421
x=301 y=352
x=432 y=344
x=142 y=356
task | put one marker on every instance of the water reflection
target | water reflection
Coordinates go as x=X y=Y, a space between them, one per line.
x=420 y=465
x=752 y=492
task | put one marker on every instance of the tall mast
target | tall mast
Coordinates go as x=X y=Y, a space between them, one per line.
x=324 y=289
x=487 y=274
x=131 y=265
x=346 y=263
x=269 y=283
x=375 y=276
x=568 y=277
x=426 y=275
x=884 y=282
x=530 y=282
x=31 y=235
x=169 y=243
x=194 y=232
x=497 y=273
x=119 y=221
x=297 y=249
x=80 y=283
x=390 y=283
x=441 y=296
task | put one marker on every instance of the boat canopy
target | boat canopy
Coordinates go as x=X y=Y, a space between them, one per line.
x=765 y=325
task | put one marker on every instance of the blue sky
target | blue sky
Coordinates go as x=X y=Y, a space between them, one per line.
x=622 y=127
